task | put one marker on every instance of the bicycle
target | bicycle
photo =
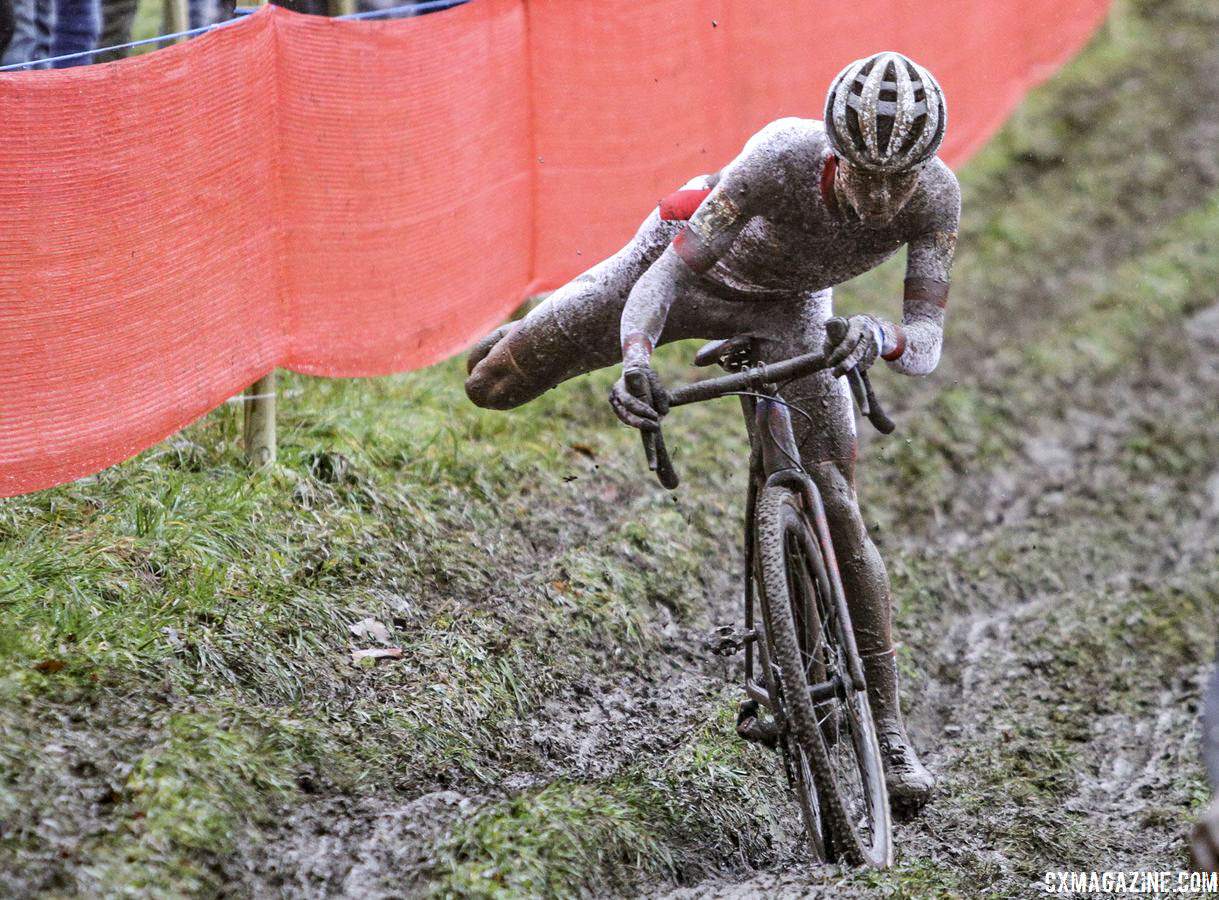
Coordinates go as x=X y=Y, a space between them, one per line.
x=811 y=677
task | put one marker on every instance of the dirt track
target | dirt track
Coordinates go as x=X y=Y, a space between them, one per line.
x=1004 y=669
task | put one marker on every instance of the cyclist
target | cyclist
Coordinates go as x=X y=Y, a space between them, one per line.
x=805 y=206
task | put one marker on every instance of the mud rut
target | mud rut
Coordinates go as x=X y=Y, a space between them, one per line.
x=1131 y=762
x=977 y=674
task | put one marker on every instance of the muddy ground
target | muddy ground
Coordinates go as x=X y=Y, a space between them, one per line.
x=1047 y=509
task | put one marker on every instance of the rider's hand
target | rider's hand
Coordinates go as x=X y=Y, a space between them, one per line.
x=857 y=348
x=643 y=407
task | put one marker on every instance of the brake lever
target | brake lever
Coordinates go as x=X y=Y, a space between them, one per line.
x=663 y=468
x=861 y=390
x=876 y=415
x=653 y=441
x=861 y=385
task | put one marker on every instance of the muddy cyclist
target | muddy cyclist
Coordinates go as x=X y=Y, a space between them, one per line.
x=805 y=206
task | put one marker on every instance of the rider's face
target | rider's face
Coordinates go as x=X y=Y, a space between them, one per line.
x=876 y=198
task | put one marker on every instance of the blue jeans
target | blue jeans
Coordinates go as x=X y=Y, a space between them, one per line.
x=43 y=28
x=78 y=24
x=32 y=21
x=6 y=24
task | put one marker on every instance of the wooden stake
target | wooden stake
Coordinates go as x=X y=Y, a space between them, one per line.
x=177 y=16
x=1117 y=25
x=260 y=422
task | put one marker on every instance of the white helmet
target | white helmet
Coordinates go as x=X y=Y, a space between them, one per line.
x=885 y=113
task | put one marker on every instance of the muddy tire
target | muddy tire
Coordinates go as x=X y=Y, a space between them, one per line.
x=804 y=635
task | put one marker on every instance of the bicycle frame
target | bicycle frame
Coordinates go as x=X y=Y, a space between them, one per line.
x=810 y=633
x=775 y=460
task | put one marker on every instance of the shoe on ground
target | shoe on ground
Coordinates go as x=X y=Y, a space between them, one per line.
x=908 y=781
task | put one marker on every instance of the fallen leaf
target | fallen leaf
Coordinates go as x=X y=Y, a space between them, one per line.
x=375 y=653
x=49 y=665
x=371 y=629
x=585 y=450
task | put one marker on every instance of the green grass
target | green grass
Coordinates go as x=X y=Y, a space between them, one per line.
x=681 y=820
x=179 y=572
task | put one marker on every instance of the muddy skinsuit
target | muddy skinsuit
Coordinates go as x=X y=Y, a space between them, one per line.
x=760 y=255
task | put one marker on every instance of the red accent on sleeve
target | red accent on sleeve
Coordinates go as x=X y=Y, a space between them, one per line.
x=827 y=183
x=900 y=347
x=637 y=339
x=680 y=205
x=928 y=290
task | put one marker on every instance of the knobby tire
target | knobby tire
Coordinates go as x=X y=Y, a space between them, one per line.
x=782 y=525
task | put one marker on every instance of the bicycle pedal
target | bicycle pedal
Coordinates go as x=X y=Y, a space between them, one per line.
x=726 y=640
x=754 y=729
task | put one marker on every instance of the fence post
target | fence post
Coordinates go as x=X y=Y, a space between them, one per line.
x=260 y=422
x=177 y=16
x=1117 y=24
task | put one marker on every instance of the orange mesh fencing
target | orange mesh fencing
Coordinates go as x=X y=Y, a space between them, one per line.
x=357 y=198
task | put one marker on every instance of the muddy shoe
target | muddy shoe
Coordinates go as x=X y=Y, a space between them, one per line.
x=908 y=780
x=755 y=729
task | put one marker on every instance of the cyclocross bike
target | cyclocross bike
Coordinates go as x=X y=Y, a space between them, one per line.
x=801 y=662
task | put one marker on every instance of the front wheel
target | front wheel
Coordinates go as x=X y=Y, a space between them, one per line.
x=826 y=719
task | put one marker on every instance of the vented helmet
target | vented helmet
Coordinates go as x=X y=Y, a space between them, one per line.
x=885 y=113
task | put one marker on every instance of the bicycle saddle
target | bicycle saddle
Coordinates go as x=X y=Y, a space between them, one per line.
x=732 y=353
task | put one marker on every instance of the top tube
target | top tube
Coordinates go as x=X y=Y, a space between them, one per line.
x=750 y=379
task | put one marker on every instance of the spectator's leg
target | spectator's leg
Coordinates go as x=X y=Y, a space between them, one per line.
x=378 y=5
x=118 y=16
x=25 y=45
x=310 y=7
x=44 y=27
x=209 y=12
x=78 y=24
x=6 y=25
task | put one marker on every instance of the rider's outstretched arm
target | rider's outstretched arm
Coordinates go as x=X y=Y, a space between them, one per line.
x=711 y=231
x=694 y=250
x=707 y=236
x=913 y=347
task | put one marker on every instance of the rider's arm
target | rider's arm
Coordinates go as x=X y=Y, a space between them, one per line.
x=707 y=236
x=697 y=247
x=739 y=192
x=913 y=347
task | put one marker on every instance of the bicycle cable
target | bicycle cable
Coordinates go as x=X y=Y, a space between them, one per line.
x=769 y=427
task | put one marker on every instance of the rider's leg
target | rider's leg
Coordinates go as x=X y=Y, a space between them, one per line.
x=828 y=452
x=575 y=330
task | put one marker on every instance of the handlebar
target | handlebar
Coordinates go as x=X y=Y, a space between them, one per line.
x=750 y=380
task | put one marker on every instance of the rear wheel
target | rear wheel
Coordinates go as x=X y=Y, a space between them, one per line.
x=830 y=737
